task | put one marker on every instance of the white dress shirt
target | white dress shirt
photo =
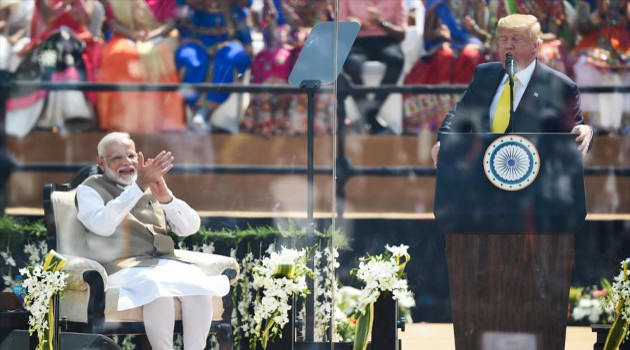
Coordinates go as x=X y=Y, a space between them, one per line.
x=524 y=76
x=102 y=219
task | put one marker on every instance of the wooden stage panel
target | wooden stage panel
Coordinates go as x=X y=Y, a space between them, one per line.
x=268 y=193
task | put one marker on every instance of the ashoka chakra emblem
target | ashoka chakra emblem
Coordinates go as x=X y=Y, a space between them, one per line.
x=511 y=163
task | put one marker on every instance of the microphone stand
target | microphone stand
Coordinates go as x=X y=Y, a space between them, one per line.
x=511 y=82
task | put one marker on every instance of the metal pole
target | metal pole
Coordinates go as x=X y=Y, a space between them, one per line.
x=6 y=165
x=311 y=86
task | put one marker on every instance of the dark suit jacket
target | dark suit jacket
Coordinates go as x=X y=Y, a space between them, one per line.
x=551 y=103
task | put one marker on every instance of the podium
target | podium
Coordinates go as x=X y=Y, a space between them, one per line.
x=509 y=206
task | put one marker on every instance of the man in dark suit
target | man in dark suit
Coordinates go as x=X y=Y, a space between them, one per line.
x=544 y=100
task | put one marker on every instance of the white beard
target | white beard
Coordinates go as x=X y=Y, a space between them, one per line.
x=124 y=180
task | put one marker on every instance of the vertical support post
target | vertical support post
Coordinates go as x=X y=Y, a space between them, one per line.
x=287 y=340
x=385 y=327
x=55 y=325
x=33 y=341
x=311 y=87
x=342 y=163
x=511 y=84
x=6 y=166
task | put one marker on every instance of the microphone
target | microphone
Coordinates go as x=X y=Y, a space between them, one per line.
x=510 y=65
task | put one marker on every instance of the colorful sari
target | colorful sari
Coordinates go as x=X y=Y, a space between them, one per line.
x=602 y=57
x=213 y=47
x=451 y=62
x=62 y=51
x=552 y=19
x=128 y=61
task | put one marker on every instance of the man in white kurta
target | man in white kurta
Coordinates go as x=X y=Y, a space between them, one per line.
x=126 y=211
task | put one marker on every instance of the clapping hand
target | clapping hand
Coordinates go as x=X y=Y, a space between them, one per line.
x=152 y=170
x=161 y=191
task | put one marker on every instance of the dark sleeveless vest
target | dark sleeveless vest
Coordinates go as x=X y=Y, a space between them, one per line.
x=141 y=238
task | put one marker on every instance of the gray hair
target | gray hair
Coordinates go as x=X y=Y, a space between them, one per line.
x=107 y=139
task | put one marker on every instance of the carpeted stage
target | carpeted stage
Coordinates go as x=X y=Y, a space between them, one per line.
x=439 y=336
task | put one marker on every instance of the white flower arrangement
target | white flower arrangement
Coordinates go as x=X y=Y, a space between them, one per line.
x=380 y=273
x=619 y=300
x=281 y=275
x=384 y=274
x=35 y=253
x=591 y=309
x=207 y=248
x=8 y=277
x=621 y=292
x=345 y=311
x=41 y=283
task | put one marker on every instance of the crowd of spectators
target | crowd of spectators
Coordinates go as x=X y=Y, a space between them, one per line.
x=258 y=41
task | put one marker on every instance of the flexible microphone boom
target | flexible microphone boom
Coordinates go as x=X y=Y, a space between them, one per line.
x=510 y=66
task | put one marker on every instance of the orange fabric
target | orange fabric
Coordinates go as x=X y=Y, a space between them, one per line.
x=444 y=68
x=464 y=69
x=436 y=69
x=133 y=111
x=427 y=111
x=619 y=39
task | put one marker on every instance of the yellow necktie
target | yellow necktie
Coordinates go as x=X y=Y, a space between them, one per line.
x=502 y=113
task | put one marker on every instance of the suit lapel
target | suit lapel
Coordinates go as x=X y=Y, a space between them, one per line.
x=528 y=106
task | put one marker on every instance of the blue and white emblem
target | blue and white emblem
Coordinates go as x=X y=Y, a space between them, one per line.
x=511 y=163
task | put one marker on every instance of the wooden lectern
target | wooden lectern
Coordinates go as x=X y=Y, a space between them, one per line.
x=509 y=206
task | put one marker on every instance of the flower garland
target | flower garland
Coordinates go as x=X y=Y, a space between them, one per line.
x=41 y=283
x=242 y=318
x=281 y=275
x=325 y=287
x=619 y=299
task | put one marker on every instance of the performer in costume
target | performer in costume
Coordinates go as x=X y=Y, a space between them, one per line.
x=141 y=50
x=216 y=47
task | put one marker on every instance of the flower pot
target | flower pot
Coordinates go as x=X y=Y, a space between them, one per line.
x=602 y=332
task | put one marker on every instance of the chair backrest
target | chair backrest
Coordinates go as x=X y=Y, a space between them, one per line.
x=65 y=233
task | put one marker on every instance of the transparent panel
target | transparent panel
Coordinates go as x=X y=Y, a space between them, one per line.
x=493 y=259
x=208 y=80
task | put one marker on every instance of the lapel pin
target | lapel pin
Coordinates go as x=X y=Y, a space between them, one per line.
x=535 y=93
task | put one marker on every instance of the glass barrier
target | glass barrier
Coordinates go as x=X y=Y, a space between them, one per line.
x=348 y=224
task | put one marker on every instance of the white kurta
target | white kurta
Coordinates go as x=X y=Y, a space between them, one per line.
x=170 y=278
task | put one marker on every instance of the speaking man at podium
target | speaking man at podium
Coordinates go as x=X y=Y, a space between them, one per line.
x=544 y=100
x=509 y=205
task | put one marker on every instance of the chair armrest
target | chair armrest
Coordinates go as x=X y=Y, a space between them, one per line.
x=76 y=266
x=211 y=264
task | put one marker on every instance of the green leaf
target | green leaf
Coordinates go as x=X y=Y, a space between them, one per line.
x=617 y=331
x=364 y=328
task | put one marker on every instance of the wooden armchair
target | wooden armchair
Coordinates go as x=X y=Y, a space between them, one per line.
x=89 y=304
